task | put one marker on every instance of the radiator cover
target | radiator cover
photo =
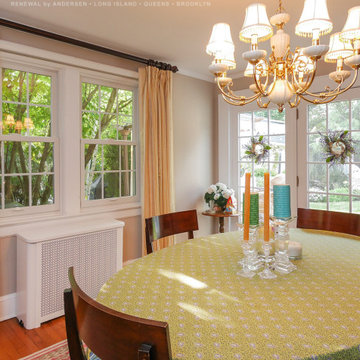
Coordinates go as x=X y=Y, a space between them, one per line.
x=42 y=270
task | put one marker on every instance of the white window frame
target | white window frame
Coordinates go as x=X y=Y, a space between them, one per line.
x=228 y=146
x=67 y=112
x=36 y=209
x=111 y=82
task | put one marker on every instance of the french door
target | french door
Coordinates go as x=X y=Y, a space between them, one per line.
x=321 y=185
x=296 y=157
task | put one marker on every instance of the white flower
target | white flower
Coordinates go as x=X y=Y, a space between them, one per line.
x=211 y=189
x=226 y=194
x=216 y=196
x=221 y=186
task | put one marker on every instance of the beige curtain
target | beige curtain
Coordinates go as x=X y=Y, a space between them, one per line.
x=155 y=99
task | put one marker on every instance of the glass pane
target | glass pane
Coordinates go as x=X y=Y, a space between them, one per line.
x=17 y=113
x=339 y=179
x=111 y=185
x=355 y=179
x=108 y=126
x=260 y=121
x=317 y=118
x=16 y=191
x=16 y=155
x=111 y=157
x=92 y=157
x=41 y=117
x=39 y=89
x=259 y=170
x=14 y=85
x=317 y=201
x=108 y=99
x=126 y=184
x=93 y=186
x=90 y=97
x=339 y=203
x=128 y=157
x=355 y=113
x=242 y=169
x=338 y=115
x=356 y=137
x=277 y=173
x=277 y=122
x=42 y=189
x=125 y=102
x=356 y=205
x=125 y=127
x=245 y=124
x=42 y=157
x=317 y=177
x=277 y=152
x=315 y=149
x=90 y=126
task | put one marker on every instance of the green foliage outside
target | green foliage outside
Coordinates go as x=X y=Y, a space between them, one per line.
x=30 y=95
x=107 y=114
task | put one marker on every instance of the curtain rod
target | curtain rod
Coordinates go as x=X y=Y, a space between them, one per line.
x=84 y=44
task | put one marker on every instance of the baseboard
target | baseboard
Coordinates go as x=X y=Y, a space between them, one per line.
x=7 y=306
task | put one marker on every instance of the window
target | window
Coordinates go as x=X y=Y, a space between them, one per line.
x=27 y=140
x=271 y=125
x=334 y=188
x=108 y=142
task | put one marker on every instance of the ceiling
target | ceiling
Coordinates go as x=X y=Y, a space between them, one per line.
x=175 y=32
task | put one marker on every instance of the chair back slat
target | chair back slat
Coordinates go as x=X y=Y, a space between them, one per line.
x=158 y=227
x=329 y=220
x=111 y=334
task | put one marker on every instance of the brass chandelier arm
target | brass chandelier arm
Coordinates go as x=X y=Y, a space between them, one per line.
x=242 y=100
x=296 y=102
x=261 y=105
x=318 y=101
x=309 y=82
x=335 y=92
x=260 y=87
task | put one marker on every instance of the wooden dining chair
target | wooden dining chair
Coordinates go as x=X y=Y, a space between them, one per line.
x=158 y=227
x=108 y=333
x=329 y=220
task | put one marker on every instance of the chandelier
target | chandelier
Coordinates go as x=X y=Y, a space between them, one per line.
x=286 y=76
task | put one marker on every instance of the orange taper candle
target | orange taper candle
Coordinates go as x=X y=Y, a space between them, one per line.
x=266 y=205
x=247 y=207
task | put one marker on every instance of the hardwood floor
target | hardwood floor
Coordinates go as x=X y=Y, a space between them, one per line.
x=17 y=342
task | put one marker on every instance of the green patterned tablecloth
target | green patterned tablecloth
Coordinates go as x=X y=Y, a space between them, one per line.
x=215 y=314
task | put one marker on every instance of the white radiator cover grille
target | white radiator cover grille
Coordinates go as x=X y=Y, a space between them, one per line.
x=92 y=256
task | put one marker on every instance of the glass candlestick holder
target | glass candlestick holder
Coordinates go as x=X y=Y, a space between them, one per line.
x=246 y=271
x=282 y=263
x=267 y=273
x=254 y=260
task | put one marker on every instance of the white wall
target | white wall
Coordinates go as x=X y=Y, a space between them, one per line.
x=195 y=149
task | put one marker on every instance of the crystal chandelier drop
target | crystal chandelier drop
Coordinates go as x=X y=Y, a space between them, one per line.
x=286 y=76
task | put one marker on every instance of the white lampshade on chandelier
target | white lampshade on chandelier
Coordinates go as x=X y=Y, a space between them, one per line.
x=286 y=76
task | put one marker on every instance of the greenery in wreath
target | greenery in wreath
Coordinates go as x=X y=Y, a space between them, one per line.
x=338 y=146
x=219 y=193
x=257 y=149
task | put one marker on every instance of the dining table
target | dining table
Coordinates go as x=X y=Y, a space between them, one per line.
x=213 y=313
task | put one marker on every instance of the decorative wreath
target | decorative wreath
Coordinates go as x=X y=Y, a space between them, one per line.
x=338 y=146
x=257 y=149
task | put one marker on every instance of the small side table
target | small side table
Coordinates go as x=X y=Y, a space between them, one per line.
x=220 y=216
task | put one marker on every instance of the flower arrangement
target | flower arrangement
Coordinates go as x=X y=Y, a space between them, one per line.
x=338 y=146
x=219 y=193
x=257 y=149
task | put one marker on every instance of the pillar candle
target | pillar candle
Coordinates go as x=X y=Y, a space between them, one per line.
x=282 y=201
x=247 y=207
x=266 y=205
